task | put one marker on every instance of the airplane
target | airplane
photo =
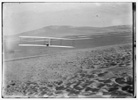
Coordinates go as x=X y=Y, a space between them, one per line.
x=47 y=41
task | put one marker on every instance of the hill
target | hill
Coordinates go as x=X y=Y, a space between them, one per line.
x=62 y=31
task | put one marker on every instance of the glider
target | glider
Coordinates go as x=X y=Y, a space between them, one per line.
x=46 y=41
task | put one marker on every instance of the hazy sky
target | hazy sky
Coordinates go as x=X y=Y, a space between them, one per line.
x=22 y=17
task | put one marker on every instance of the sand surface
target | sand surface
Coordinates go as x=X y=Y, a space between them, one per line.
x=79 y=72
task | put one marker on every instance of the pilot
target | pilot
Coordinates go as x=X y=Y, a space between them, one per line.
x=47 y=44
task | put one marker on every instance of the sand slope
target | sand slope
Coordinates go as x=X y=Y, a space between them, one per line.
x=99 y=72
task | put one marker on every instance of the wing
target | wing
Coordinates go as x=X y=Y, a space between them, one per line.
x=46 y=45
x=41 y=37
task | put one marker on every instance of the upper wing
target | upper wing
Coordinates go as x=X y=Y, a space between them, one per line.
x=41 y=37
x=38 y=37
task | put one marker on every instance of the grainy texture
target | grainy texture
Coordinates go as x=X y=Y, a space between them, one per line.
x=99 y=72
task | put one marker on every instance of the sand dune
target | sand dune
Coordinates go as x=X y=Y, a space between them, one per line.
x=86 y=67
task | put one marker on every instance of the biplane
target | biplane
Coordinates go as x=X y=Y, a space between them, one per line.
x=43 y=41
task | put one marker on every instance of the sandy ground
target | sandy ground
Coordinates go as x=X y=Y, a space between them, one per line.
x=112 y=60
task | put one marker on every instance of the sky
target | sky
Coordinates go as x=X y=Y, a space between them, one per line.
x=23 y=17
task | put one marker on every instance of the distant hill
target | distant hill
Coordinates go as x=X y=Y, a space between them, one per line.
x=72 y=32
x=62 y=31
